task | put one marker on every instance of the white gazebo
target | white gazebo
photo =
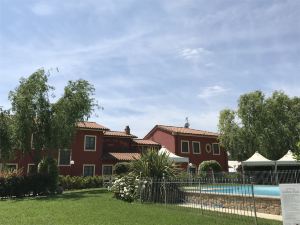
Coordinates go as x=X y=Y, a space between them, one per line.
x=172 y=156
x=258 y=160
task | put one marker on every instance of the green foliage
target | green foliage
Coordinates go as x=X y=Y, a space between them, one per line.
x=48 y=166
x=75 y=105
x=43 y=125
x=121 y=168
x=126 y=188
x=14 y=184
x=6 y=142
x=154 y=165
x=75 y=182
x=206 y=166
x=270 y=126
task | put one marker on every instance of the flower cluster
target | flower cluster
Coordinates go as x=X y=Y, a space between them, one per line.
x=126 y=188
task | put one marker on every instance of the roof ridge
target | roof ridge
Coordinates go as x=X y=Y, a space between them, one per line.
x=186 y=128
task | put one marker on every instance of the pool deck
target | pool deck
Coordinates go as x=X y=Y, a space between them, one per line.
x=238 y=212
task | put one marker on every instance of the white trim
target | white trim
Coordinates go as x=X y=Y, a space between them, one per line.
x=188 y=147
x=208 y=145
x=88 y=165
x=29 y=164
x=214 y=149
x=112 y=169
x=58 y=158
x=90 y=150
x=197 y=153
x=11 y=164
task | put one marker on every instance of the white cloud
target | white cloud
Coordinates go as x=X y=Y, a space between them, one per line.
x=211 y=91
x=194 y=53
x=42 y=9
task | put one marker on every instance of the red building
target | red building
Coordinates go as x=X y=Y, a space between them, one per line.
x=197 y=145
x=94 y=151
x=95 y=148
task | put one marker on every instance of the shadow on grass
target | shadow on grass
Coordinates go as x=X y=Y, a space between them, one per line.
x=68 y=195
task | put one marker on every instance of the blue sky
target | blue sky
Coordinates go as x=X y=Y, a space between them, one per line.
x=154 y=62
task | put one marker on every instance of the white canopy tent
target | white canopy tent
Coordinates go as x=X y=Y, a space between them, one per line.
x=172 y=156
x=288 y=160
x=258 y=160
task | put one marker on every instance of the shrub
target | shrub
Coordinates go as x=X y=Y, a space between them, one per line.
x=154 y=165
x=209 y=165
x=126 y=187
x=75 y=182
x=48 y=166
x=14 y=184
x=122 y=168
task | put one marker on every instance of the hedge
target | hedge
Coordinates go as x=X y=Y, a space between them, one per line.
x=14 y=184
x=75 y=182
x=206 y=166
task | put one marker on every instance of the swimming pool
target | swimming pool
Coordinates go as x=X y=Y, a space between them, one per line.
x=259 y=190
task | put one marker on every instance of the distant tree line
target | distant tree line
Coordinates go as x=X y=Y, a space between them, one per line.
x=269 y=125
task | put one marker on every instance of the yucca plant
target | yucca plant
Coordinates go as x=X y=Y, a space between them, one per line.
x=154 y=165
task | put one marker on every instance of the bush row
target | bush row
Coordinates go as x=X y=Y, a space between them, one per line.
x=74 y=182
x=14 y=184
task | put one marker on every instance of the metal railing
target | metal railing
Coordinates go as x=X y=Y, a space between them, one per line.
x=226 y=197
x=266 y=177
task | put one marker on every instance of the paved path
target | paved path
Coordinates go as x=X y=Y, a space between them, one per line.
x=238 y=212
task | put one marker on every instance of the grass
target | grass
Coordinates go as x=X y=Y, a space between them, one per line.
x=96 y=206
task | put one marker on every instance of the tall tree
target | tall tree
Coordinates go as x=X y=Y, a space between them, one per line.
x=268 y=125
x=6 y=144
x=43 y=125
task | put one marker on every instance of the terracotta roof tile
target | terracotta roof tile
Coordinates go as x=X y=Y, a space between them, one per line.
x=118 y=134
x=122 y=156
x=183 y=130
x=91 y=125
x=145 y=142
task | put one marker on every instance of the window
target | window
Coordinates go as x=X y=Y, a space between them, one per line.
x=88 y=170
x=107 y=170
x=185 y=147
x=31 y=168
x=208 y=148
x=90 y=143
x=11 y=166
x=216 y=149
x=196 y=147
x=64 y=157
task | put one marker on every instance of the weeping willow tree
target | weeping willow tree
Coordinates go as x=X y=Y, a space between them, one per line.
x=43 y=125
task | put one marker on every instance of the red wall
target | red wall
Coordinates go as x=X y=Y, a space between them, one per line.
x=81 y=157
x=198 y=158
x=164 y=139
x=173 y=143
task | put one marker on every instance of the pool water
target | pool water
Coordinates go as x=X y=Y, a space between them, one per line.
x=259 y=190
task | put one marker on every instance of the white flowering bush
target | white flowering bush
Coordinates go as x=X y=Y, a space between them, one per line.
x=126 y=188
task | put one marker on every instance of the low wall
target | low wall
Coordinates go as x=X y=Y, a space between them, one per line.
x=235 y=202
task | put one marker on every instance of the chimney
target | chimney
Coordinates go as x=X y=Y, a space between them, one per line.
x=187 y=124
x=127 y=130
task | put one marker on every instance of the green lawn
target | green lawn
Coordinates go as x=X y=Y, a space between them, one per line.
x=98 y=207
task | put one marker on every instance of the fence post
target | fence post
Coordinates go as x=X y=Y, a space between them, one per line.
x=141 y=186
x=253 y=201
x=201 y=203
x=165 y=189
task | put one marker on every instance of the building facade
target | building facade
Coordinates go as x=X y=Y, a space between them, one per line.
x=95 y=149
x=197 y=145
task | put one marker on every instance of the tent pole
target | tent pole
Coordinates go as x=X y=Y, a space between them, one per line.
x=276 y=174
